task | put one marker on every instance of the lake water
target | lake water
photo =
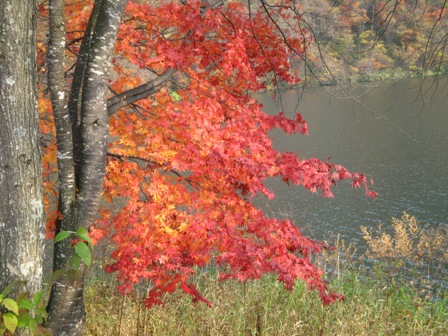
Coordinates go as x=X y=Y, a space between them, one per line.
x=390 y=134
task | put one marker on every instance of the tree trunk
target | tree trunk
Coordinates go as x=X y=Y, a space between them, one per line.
x=22 y=218
x=90 y=131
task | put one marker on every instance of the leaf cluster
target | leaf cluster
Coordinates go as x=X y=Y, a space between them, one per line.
x=22 y=312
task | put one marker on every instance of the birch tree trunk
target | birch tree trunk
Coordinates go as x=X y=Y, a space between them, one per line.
x=83 y=146
x=22 y=220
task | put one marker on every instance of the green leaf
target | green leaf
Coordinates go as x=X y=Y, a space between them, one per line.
x=11 y=305
x=32 y=325
x=1 y=298
x=37 y=297
x=84 y=235
x=41 y=312
x=10 y=320
x=81 y=231
x=61 y=236
x=26 y=304
x=24 y=320
x=175 y=96
x=74 y=262
x=39 y=319
x=83 y=251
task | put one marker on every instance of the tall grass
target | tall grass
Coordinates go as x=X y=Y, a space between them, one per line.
x=376 y=303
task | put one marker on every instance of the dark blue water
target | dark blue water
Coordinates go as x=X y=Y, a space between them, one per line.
x=395 y=132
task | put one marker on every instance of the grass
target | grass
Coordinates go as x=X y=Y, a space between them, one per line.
x=377 y=302
x=265 y=308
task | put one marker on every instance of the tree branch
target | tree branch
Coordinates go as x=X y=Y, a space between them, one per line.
x=140 y=92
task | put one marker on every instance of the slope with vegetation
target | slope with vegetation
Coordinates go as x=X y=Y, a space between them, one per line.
x=365 y=40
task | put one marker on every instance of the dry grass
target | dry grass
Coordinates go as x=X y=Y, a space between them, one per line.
x=413 y=254
x=376 y=302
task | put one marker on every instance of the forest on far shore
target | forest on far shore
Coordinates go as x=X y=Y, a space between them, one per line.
x=372 y=40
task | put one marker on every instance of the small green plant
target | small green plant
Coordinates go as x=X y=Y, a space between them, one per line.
x=29 y=312
x=83 y=247
x=9 y=313
x=22 y=312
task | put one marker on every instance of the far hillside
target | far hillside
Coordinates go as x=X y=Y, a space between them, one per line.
x=371 y=40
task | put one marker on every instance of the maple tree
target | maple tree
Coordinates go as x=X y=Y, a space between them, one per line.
x=193 y=160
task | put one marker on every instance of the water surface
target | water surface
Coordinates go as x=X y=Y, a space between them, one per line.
x=389 y=133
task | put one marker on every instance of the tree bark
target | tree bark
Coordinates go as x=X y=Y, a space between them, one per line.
x=140 y=92
x=22 y=218
x=56 y=84
x=90 y=125
x=75 y=99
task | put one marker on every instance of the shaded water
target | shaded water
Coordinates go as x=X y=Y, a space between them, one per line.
x=397 y=138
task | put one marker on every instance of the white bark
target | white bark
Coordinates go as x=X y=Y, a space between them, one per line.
x=90 y=131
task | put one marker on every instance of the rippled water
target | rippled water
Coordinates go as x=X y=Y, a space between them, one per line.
x=398 y=139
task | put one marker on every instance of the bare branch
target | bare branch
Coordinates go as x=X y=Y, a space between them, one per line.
x=140 y=92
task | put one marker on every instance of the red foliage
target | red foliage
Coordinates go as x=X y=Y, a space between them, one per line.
x=188 y=160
